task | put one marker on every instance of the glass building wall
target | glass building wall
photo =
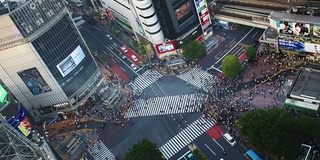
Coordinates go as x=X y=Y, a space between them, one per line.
x=66 y=56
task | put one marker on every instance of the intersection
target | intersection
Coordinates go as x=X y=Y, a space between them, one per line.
x=166 y=109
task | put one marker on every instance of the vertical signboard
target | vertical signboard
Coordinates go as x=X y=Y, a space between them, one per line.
x=204 y=16
x=20 y=122
x=109 y=14
x=3 y=94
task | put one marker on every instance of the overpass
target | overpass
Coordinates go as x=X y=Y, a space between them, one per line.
x=254 y=21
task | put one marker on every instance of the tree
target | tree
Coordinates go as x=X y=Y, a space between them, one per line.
x=231 y=66
x=142 y=50
x=145 y=150
x=200 y=155
x=277 y=132
x=135 y=44
x=251 y=52
x=102 y=58
x=108 y=25
x=114 y=30
x=193 y=50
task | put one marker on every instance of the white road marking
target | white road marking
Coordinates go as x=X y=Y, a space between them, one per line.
x=112 y=52
x=238 y=50
x=232 y=41
x=210 y=149
x=234 y=46
x=123 y=69
x=218 y=144
x=244 y=29
x=255 y=34
x=183 y=155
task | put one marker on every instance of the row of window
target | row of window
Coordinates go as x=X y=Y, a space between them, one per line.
x=34 y=15
x=55 y=45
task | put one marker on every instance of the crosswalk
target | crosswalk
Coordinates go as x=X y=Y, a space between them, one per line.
x=100 y=151
x=165 y=105
x=144 y=80
x=199 y=78
x=185 y=137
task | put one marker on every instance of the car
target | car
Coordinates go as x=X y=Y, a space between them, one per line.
x=229 y=139
x=191 y=156
x=134 y=58
x=142 y=64
x=122 y=56
x=134 y=67
x=124 y=49
x=109 y=36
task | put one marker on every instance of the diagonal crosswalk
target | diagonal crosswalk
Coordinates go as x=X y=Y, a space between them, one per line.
x=144 y=80
x=100 y=151
x=185 y=137
x=165 y=105
x=198 y=78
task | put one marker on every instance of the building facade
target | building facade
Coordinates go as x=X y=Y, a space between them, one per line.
x=294 y=34
x=160 y=21
x=45 y=62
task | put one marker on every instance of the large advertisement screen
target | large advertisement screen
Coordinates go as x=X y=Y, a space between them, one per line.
x=312 y=48
x=21 y=122
x=166 y=47
x=3 y=94
x=183 y=10
x=316 y=30
x=34 y=81
x=299 y=29
x=70 y=63
x=290 y=44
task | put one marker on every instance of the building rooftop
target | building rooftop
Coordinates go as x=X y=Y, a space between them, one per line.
x=294 y=17
x=271 y=33
x=307 y=84
x=7 y=6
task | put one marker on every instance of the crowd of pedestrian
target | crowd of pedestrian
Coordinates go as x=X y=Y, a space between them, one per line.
x=230 y=98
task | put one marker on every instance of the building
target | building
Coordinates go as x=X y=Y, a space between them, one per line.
x=45 y=62
x=161 y=23
x=295 y=32
x=19 y=139
x=305 y=91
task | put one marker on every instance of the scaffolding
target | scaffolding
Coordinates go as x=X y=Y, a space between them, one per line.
x=16 y=146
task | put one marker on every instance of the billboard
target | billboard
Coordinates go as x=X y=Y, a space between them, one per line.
x=299 y=29
x=20 y=122
x=312 y=48
x=316 y=30
x=70 y=63
x=166 y=47
x=34 y=81
x=290 y=44
x=3 y=94
x=183 y=10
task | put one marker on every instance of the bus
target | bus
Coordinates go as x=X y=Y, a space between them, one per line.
x=250 y=154
x=300 y=105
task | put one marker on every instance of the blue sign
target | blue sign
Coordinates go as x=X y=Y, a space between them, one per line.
x=20 y=122
x=198 y=3
x=290 y=44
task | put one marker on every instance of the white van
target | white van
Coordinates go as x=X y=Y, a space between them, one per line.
x=229 y=139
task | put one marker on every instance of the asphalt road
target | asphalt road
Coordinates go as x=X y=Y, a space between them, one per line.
x=160 y=129
x=235 y=43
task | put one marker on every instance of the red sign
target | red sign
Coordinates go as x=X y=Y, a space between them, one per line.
x=109 y=14
x=203 y=23
x=204 y=14
x=200 y=38
x=165 y=47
